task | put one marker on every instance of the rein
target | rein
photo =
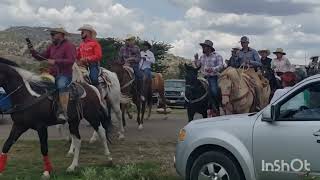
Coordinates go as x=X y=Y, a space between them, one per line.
x=128 y=83
x=198 y=99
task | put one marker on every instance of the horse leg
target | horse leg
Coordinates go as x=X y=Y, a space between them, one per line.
x=123 y=110
x=43 y=137
x=94 y=137
x=76 y=139
x=16 y=132
x=117 y=111
x=102 y=134
x=190 y=114
x=140 y=124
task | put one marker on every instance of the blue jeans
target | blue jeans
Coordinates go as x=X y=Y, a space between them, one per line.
x=63 y=82
x=94 y=69
x=137 y=72
x=148 y=73
x=213 y=90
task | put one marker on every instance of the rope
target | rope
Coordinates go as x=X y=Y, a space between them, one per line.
x=198 y=99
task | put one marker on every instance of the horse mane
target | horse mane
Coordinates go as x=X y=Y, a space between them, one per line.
x=8 y=62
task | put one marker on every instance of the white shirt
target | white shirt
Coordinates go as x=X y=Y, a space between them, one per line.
x=149 y=59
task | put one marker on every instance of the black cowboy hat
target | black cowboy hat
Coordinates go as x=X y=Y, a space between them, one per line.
x=146 y=43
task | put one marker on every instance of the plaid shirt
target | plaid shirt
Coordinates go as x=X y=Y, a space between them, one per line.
x=210 y=65
x=127 y=52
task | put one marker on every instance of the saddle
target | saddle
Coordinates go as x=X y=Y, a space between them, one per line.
x=45 y=87
x=103 y=76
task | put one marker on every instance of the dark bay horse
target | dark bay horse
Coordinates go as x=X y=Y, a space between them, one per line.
x=36 y=112
x=129 y=92
x=196 y=94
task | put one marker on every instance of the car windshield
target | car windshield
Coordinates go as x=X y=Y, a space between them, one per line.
x=175 y=84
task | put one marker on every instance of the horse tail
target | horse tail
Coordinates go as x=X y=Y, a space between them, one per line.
x=105 y=120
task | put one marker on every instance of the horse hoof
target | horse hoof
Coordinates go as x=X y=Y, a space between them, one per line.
x=71 y=169
x=45 y=175
x=92 y=141
x=121 y=137
x=140 y=127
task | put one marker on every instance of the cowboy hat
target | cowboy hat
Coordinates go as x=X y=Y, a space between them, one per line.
x=279 y=50
x=264 y=50
x=130 y=37
x=146 y=43
x=59 y=30
x=207 y=43
x=244 y=39
x=88 y=28
x=314 y=57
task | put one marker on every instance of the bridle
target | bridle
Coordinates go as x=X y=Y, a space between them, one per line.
x=193 y=101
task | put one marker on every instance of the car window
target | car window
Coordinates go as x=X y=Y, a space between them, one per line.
x=175 y=84
x=303 y=106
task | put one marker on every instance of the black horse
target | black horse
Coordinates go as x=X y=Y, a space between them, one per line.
x=196 y=94
x=274 y=83
x=37 y=113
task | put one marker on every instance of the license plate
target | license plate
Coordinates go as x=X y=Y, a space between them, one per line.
x=172 y=101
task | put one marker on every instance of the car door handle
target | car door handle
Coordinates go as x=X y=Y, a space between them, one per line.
x=317 y=133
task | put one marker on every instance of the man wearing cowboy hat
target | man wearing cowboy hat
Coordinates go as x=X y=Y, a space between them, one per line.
x=314 y=66
x=60 y=55
x=280 y=64
x=265 y=60
x=211 y=64
x=130 y=54
x=249 y=57
x=147 y=59
x=89 y=53
x=233 y=61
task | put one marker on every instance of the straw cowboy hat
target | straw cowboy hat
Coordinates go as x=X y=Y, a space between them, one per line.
x=59 y=30
x=279 y=50
x=264 y=50
x=130 y=37
x=88 y=28
x=207 y=43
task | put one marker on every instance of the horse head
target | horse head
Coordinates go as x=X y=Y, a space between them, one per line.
x=191 y=74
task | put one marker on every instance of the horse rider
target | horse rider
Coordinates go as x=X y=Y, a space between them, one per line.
x=233 y=61
x=89 y=53
x=211 y=64
x=147 y=59
x=314 y=66
x=60 y=55
x=265 y=60
x=248 y=57
x=280 y=64
x=130 y=54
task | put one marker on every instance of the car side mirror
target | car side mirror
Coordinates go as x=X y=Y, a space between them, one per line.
x=270 y=114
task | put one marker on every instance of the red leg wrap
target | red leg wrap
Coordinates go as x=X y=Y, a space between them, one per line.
x=3 y=162
x=47 y=164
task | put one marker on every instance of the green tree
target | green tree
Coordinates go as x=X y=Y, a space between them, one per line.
x=182 y=71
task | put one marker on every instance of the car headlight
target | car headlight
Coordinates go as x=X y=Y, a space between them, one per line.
x=182 y=135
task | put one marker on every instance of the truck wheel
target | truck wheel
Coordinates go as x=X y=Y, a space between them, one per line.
x=215 y=165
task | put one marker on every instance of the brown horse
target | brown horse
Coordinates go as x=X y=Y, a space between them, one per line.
x=32 y=110
x=128 y=90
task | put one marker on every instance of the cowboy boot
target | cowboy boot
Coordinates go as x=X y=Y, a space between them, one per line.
x=63 y=114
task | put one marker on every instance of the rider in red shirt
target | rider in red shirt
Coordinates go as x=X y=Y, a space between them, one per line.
x=89 y=53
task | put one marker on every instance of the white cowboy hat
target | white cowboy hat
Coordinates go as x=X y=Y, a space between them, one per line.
x=279 y=50
x=130 y=37
x=265 y=50
x=88 y=28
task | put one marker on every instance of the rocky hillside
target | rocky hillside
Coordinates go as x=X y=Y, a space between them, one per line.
x=13 y=46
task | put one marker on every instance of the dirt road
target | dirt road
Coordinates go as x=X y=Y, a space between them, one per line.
x=157 y=128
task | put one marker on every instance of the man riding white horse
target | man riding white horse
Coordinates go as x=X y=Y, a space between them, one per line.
x=89 y=54
x=60 y=55
x=211 y=64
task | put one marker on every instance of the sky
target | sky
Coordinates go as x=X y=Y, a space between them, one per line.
x=289 y=24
